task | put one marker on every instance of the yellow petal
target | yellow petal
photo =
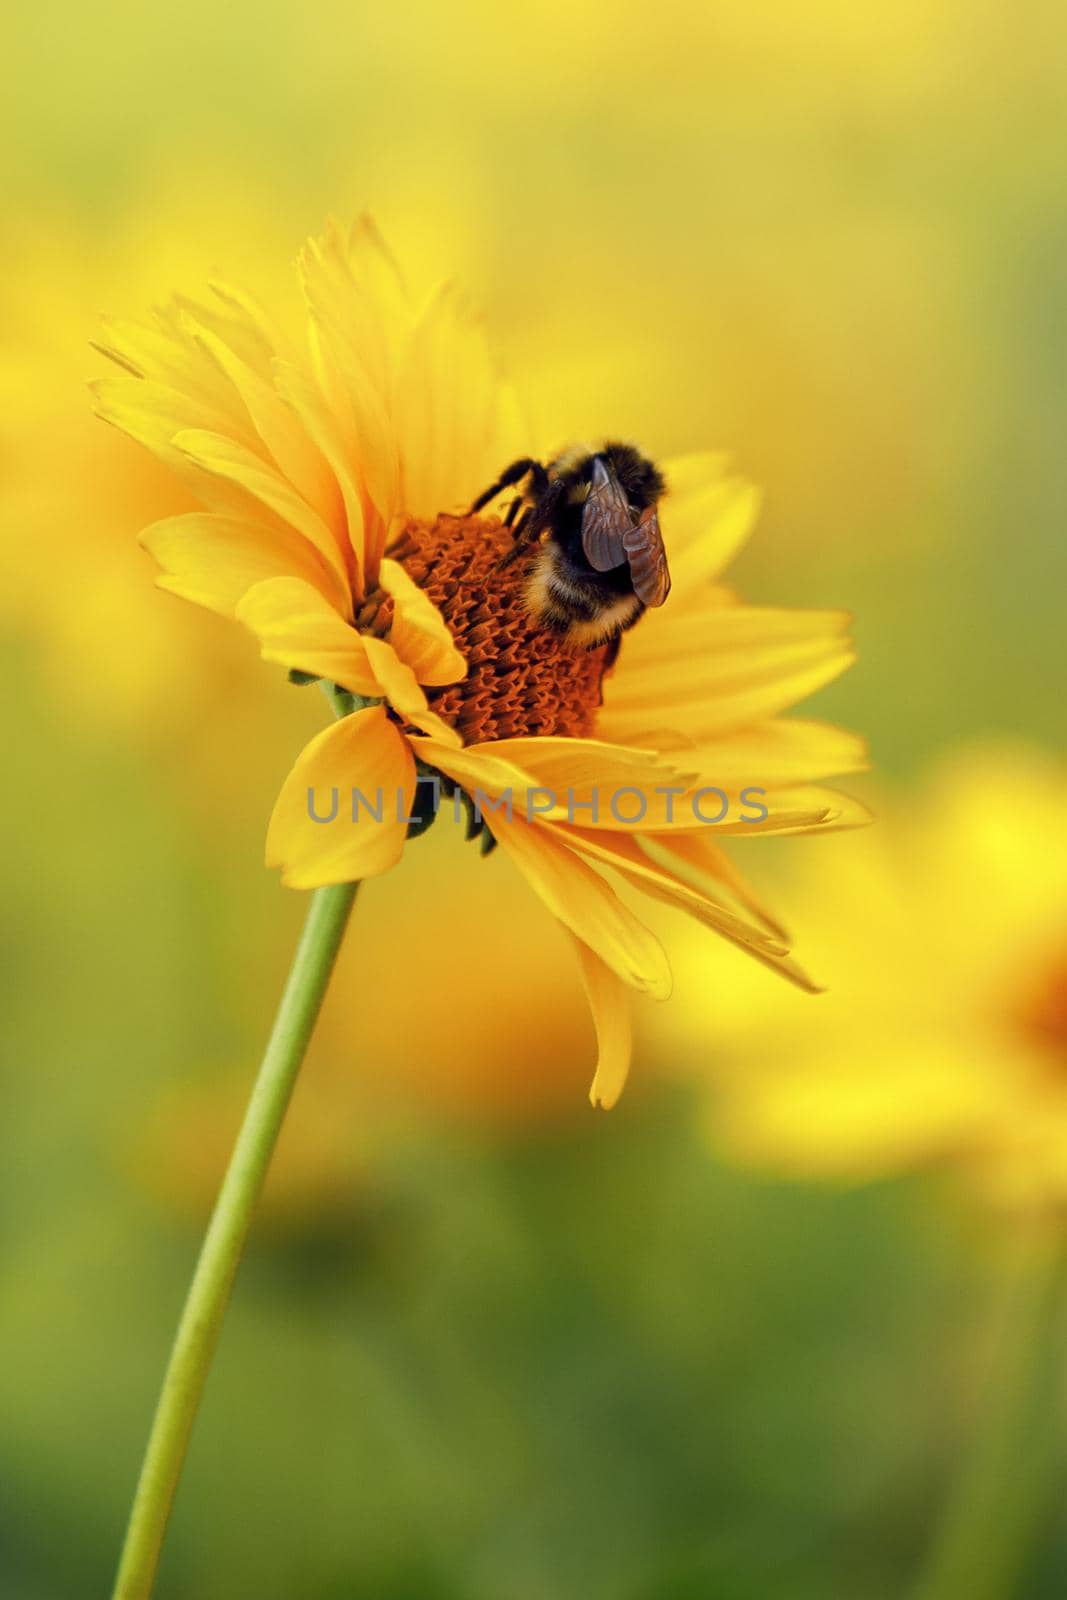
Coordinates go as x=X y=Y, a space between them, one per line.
x=152 y=416
x=354 y=333
x=419 y=634
x=802 y=810
x=321 y=426
x=400 y=687
x=364 y=751
x=446 y=413
x=560 y=779
x=215 y=560
x=784 y=750
x=632 y=794
x=352 y=278
x=160 y=351
x=610 y=1007
x=581 y=900
x=711 y=668
x=476 y=767
x=225 y=458
x=279 y=429
x=152 y=413
x=700 y=857
x=726 y=631
x=366 y=431
x=625 y=856
x=562 y=763
x=702 y=700
x=299 y=629
x=264 y=340
x=698 y=469
x=704 y=527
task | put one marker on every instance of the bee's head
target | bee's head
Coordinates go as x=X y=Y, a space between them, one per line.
x=640 y=479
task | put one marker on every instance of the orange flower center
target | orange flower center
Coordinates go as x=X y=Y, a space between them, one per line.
x=1043 y=1013
x=521 y=677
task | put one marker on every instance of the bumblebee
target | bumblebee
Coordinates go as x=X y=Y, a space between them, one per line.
x=591 y=515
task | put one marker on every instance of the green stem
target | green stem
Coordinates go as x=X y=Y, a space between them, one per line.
x=209 y=1292
x=1004 y=1490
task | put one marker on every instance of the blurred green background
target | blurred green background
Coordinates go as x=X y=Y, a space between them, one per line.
x=487 y=1345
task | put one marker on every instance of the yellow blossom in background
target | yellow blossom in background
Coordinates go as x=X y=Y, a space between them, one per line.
x=332 y=479
x=73 y=497
x=943 y=1038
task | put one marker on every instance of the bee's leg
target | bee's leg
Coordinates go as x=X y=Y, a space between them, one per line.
x=511 y=475
x=512 y=511
x=523 y=533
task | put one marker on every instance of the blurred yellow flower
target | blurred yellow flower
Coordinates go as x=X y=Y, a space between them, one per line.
x=943 y=1039
x=111 y=664
x=331 y=486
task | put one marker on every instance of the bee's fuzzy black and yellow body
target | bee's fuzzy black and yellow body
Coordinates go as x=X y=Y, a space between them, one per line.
x=589 y=518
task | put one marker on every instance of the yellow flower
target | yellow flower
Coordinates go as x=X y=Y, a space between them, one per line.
x=943 y=1039
x=334 y=481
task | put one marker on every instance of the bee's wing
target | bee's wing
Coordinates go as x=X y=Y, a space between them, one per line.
x=606 y=520
x=609 y=537
x=648 y=560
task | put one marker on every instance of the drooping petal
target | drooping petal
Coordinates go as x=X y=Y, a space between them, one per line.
x=573 y=891
x=585 y=904
x=419 y=634
x=299 y=629
x=358 y=838
x=626 y=857
x=699 y=857
x=609 y=1004
x=401 y=688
